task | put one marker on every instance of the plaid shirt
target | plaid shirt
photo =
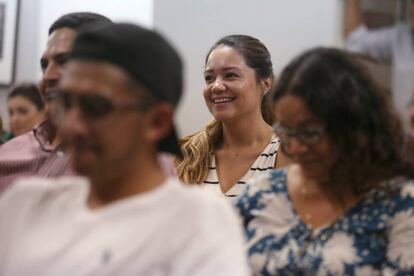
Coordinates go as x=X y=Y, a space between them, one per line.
x=31 y=154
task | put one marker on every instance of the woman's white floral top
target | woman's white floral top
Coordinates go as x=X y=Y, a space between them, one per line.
x=374 y=237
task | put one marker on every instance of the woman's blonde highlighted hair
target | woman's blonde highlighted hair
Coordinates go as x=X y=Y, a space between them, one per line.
x=197 y=153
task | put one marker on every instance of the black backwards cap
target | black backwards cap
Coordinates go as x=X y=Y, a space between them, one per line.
x=145 y=55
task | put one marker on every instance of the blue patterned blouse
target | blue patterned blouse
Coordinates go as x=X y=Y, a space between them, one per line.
x=374 y=237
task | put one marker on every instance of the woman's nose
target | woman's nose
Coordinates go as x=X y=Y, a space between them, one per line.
x=294 y=146
x=218 y=86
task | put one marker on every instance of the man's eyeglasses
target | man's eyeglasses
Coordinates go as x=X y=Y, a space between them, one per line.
x=96 y=106
x=306 y=135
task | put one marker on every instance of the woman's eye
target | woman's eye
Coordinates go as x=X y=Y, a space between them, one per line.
x=208 y=79
x=231 y=75
x=22 y=111
x=310 y=136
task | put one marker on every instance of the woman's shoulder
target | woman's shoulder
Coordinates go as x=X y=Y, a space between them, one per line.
x=397 y=188
x=391 y=197
x=402 y=193
x=274 y=143
x=270 y=151
x=272 y=181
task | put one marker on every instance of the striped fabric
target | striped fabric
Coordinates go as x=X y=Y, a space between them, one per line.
x=30 y=154
x=265 y=162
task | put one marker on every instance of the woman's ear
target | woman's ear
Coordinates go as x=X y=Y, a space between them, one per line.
x=266 y=84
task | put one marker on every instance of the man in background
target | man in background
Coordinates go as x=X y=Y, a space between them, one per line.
x=394 y=44
x=40 y=152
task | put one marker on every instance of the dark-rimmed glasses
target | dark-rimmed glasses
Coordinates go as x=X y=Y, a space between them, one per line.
x=94 y=106
x=309 y=136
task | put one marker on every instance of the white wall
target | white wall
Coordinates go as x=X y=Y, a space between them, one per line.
x=8 y=35
x=36 y=16
x=286 y=27
x=27 y=64
x=135 y=11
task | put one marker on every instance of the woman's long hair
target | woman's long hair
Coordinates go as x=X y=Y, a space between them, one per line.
x=359 y=117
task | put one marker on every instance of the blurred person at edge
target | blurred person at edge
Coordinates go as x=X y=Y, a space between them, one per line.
x=409 y=146
x=40 y=152
x=126 y=216
x=411 y=114
x=346 y=204
x=4 y=134
x=239 y=142
x=25 y=107
x=393 y=44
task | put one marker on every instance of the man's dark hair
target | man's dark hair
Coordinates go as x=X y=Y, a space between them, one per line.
x=77 y=20
x=146 y=56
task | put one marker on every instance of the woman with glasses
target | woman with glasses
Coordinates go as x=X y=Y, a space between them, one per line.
x=346 y=204
x=239 y=142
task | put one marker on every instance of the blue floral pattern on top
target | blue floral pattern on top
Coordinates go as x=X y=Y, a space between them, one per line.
x=374 y=237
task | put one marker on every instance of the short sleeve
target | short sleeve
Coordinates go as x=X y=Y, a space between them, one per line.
x=376 y=44
x=250 y=200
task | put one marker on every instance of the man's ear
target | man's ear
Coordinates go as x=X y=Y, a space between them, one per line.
x=159 y=121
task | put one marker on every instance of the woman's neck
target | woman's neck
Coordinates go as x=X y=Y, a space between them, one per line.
x=246 y=133
x=315 y=204
x=319 y=188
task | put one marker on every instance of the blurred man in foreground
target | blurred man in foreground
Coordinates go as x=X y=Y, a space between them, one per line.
x=118 y=96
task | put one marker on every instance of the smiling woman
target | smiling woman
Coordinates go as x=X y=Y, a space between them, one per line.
x=239 y=142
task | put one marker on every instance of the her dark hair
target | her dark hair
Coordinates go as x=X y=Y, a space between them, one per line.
x=257 y=57
x=359 y=117
x=30 y=92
